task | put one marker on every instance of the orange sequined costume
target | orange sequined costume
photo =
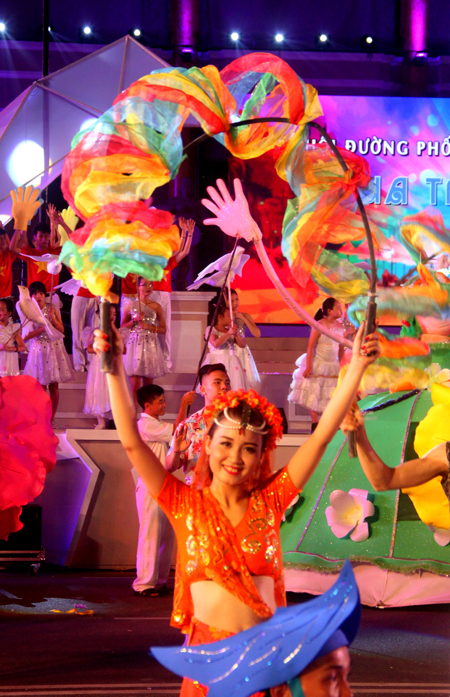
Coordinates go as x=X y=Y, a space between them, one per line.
x=210 y=548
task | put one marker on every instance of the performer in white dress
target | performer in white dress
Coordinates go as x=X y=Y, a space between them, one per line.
x=96 y=401
x=144 y=358
x=317 y=373
x=11 y=342
x=48 y=361
x=243 y=320
x=222 y=348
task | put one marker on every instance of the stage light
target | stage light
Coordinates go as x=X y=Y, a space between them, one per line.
x=367 y=42
x=323 y=38
x=136 y=32
x=2 y=27
x=25 y=162
x=234 y=36
x=87 y=30
x=420 y=58
x=279 y=38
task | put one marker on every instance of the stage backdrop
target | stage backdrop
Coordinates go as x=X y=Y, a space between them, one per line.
x=407 y=144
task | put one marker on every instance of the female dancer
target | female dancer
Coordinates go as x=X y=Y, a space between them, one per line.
x=436 y=463
x=230 y=574
x=223 y=346
x=11 y=342
x=144 y=358
x=47 y=361
x=318 y=369
x=243 y=320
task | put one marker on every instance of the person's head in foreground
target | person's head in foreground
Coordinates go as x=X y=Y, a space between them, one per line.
x=214 y=381
x=302 y=647
x=152 y=400
x=243 y=431
x=40 y=237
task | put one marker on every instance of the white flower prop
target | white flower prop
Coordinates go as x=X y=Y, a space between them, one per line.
x=291 y=505
x=441 y=535
x=214 y=274
x=348 y=512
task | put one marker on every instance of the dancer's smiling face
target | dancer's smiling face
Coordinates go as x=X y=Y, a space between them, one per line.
x=233 y=456
x=336 y=312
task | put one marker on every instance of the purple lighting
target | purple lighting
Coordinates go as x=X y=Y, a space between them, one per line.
x=414 y=15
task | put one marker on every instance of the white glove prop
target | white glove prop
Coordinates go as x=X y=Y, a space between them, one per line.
x=233 y=217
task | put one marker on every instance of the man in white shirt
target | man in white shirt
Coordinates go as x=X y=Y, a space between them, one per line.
x=156 y=536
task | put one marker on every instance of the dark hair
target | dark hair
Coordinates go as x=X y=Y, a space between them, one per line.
x=211 y=368
x=40 y=227
x=223 y=307
x=9 y=304
x=327 y=305
x=141 y=278
x=37 y=287
x=255 y=419
x=148 y=394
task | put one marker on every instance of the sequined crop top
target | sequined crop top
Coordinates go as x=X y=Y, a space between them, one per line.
x=149 y=317
x=196 y=515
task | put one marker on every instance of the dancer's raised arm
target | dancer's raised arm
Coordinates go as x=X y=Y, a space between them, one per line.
x=122 y=406
x=409 y=474
x=304 y=462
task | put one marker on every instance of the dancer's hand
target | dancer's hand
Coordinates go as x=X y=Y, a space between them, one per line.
x=368 y=352
x=25 y=203
x=181 y=442
x=188 y=399
x=353 y=422
x=307 y=373
x=101 y=344
x=233 y=217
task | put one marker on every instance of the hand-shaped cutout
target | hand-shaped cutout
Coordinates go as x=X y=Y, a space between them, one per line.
x=25 y=203
x=233 y=217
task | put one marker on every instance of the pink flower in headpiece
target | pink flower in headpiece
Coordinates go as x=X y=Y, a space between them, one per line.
x=348 y=512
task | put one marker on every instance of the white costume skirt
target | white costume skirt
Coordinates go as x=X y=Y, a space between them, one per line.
x=144 y=356
x=9 y=363
x=48 y=361
x=315 y=392
x=97 y=396
x=233 y=366
x=252 y=379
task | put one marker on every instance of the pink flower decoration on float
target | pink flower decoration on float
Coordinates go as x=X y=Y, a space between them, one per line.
x=348 y=512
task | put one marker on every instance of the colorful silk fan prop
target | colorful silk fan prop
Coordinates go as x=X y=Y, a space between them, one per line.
x=255 y=104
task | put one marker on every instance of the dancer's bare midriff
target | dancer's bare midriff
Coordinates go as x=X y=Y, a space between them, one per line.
x=218 y=608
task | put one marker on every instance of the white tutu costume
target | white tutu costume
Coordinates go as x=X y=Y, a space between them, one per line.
x=227 y=355
x=252 y=379
x=315 y=392
x=143 y=356
x=47 y=360
x=9 y=360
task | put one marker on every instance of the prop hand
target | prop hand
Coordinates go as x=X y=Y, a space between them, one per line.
x=233 y=217
x=25 y=203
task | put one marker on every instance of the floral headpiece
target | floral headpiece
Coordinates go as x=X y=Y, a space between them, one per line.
x=272 y=421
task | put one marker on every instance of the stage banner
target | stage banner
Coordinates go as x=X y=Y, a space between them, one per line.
x=406 y=141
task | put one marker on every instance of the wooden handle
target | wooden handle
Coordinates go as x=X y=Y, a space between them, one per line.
x=352 y=452
x=105 y=326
